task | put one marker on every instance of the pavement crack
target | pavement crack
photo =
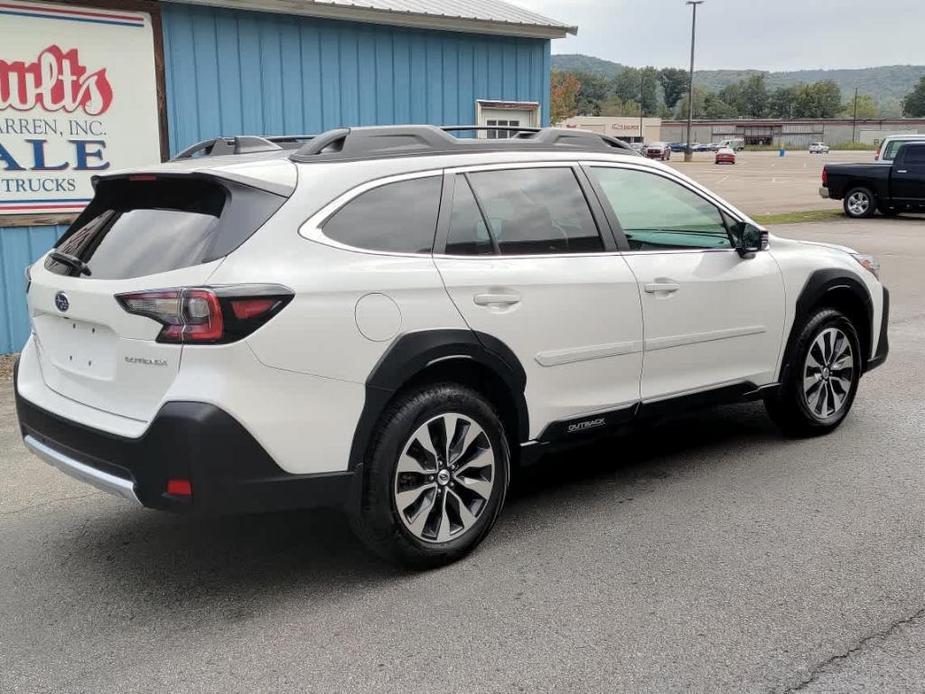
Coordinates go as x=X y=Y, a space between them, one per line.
x=855 y=648
x=46 y=504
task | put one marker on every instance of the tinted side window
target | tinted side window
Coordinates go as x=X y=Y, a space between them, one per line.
x=914 y=155
x=533 y=211
x=468 y=234
x=398 y=217
x=658 y=214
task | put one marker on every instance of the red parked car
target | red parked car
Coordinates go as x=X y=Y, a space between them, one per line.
x=658 y=150
x=725 y=155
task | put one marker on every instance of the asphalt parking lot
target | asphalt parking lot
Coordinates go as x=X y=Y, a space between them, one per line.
x=710 y=554
x=763 y=183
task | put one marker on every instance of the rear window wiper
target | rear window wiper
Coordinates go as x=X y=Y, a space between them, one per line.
x=72 y=261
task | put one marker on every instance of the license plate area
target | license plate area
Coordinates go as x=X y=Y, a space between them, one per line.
x=78 y=347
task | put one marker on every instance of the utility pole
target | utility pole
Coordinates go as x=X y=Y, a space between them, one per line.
x=690 y=84
x=642 y=82
x=854 y=124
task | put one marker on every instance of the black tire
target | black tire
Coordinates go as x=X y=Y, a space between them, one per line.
x=791 y=407
x=378 y=523
x=859 y=203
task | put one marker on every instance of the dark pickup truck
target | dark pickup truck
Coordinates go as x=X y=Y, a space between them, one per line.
x=891 y=187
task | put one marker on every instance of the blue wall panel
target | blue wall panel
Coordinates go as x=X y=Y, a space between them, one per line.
x=231 y=72
x=19 y=247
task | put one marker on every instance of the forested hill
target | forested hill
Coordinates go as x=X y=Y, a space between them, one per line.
x=885 y=83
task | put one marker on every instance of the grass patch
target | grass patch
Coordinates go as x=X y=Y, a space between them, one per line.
x=798 y=217
x=855 y=146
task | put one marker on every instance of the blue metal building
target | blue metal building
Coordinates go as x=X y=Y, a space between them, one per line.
x=274 y=67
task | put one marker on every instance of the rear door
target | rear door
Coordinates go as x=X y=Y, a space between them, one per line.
x=908 y=174
x=139 y=233
x=711 y=318
x=525 y=262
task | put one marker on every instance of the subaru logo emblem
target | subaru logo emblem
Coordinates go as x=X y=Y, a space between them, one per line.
x=61 y=302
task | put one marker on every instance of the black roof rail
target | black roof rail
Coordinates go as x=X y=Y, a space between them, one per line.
x=218 y=146
x=290 y=141
x=380 y=142
x=243 y=144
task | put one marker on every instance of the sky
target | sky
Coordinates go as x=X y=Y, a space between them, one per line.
x=758 y=34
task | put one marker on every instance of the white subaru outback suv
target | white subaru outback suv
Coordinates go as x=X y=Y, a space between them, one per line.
x=386 y=320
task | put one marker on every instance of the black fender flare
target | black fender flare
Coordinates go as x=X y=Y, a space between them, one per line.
x=413 y=352
x=818 y=285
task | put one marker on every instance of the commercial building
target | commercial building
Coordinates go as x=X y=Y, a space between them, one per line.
x=792 y=133
x=624 y=128
x=108 y=84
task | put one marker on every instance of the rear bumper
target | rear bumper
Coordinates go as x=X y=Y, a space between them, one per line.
x=229 y=471
x=823 y=192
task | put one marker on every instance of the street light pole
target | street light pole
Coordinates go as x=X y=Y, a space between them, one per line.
x=690 y=84
x=642 y=82
x=854 y=123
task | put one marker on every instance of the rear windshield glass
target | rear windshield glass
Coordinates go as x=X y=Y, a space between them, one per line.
x=144 y=227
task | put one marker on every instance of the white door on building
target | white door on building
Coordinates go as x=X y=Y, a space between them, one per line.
x=512 y=114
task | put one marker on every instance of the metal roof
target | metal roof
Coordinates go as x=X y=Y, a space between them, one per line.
x=475 y=16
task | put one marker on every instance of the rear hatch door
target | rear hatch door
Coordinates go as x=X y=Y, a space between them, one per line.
x=142 y=232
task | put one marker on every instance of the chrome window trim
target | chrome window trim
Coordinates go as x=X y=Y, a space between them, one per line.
x=311 y=229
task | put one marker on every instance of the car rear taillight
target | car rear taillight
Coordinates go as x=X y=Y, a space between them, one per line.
x=825 y=177
x=208 y=315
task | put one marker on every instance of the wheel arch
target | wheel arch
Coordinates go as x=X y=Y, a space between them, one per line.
x=833 y=288
x=472 y=359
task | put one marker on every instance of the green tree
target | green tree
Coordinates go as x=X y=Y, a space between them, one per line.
x=632 y=82
x=700 y=96
x=782 y=102
x=649 y=85
x=615 y=106
x=891 y=107
x=754 y=96
x=733 y=95
x=674 y=85
x=914 y=101
x=715 y=107
x=594 y=90
x=818 y=100
x=626 y=84
x=867 y=107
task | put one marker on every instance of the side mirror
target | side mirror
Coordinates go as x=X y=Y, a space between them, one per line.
x=751 y=239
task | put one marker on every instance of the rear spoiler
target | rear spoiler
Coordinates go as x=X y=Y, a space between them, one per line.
x=276 y=176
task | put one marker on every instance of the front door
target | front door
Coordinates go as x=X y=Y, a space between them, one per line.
x=909 y=174
x=524 y=261
x=711 y=318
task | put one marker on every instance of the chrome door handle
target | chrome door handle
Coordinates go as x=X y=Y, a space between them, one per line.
x=667 y=287
x=903 y=171
x=496 y=299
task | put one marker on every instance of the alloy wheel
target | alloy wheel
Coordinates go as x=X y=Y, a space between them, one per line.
x=828 y=373
x=858 y=203
x=444 y=478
